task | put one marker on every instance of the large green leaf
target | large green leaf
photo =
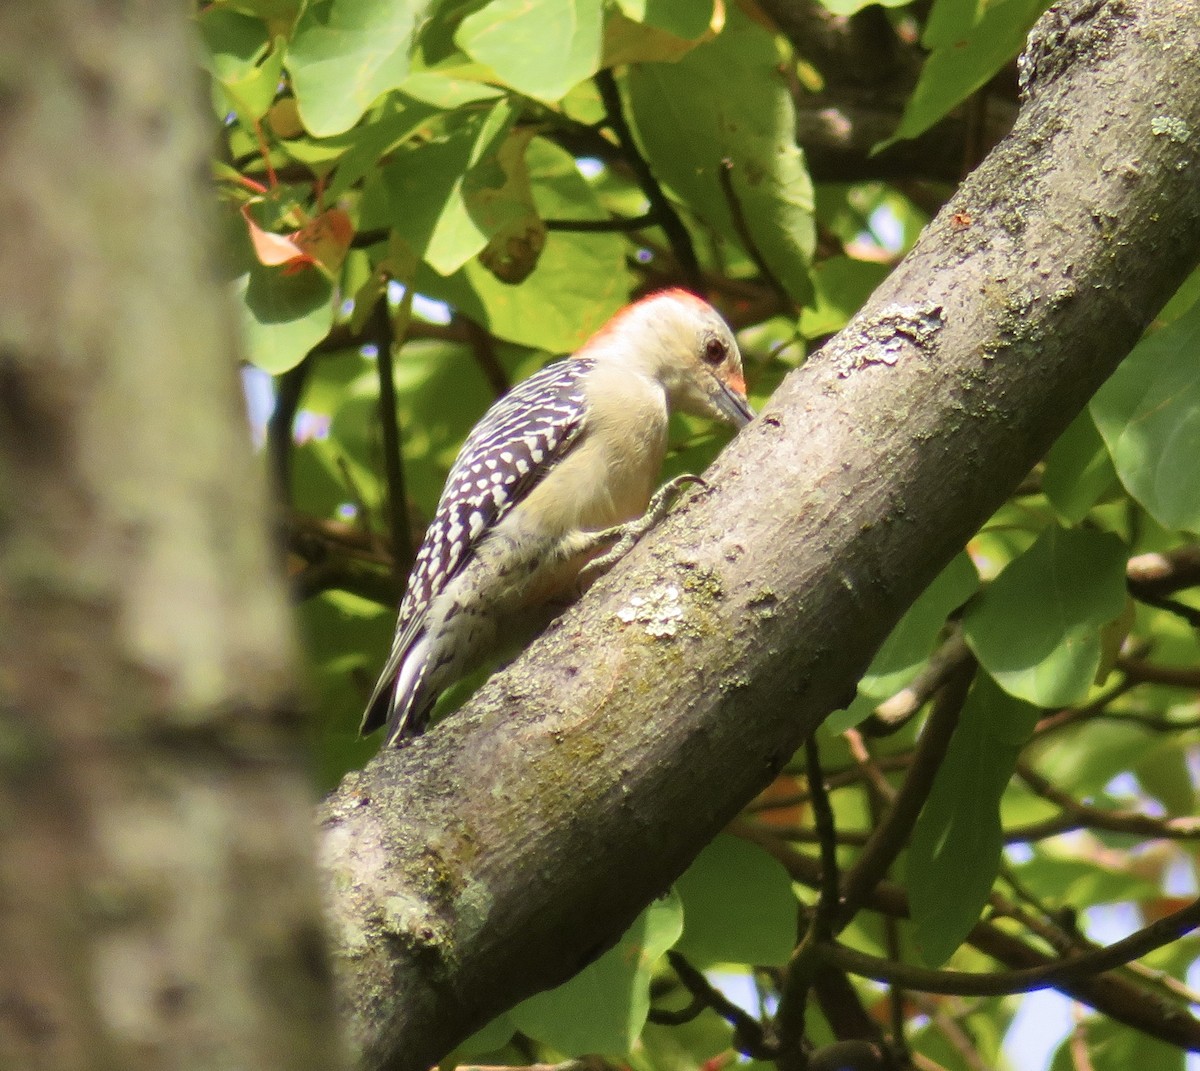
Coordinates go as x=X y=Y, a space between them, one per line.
x=420 y=193
x=241 y=59
x=345 y=54
x=1149 y=415
x=283 y=316
x=910 y=642
x=1037 y=628
x=604 y=1007
x=539 y=47
x=955 y=851
x=738 y=906
x=970 y=42
x=726 y=102
x=580 y=279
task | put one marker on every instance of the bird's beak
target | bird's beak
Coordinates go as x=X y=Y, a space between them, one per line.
x=730 y=399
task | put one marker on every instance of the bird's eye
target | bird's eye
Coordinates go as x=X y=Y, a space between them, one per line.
x=715 y=351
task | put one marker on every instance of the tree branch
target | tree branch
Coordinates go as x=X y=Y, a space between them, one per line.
x=610 y=756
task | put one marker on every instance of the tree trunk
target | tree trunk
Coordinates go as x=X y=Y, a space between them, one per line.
x=158 y=902
x=498 y=854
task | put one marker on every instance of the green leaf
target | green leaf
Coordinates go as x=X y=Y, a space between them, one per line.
x=1079 y=472
x=361 y=148
x=1037 y=628
x=580 y=279
x=1082 y=882
x=1113 y=746
x=738 y=906
x=910 y=642
x=283 y=316
x=603 y=1008
x=420 y=194
x=840 y=287
x=242 y=60
x=853 y=7
x=683 y=18
x=1112 y=1046
x=955 y=851
x=726 y=101
x=1149 y=415
x=539 y=47
x=971 y=41
x=345 y=54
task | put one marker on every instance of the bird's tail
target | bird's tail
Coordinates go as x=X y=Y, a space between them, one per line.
x=400 y=699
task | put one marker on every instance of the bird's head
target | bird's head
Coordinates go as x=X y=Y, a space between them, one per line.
x=682 y=342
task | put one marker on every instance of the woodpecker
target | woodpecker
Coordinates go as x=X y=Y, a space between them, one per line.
x=557 y=472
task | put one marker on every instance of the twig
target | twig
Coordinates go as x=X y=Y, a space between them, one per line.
x=1111 y=995
x=1005 y=983
x=379 y=328
x=1150 y=673
x=289 y=389
x=662 y=209
x=748 y=1033
x=1085 y=815
x=896 y=710
x=633 y=223
x=805 y=962
x=484 y=353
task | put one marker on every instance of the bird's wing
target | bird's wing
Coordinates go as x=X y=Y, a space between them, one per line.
x=508 y=452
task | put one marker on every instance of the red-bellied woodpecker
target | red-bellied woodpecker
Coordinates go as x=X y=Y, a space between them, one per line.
x=554 y=474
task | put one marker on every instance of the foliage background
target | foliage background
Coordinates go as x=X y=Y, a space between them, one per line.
x=427 y=201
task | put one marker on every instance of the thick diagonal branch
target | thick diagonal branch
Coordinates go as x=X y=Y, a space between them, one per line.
x=498 y=854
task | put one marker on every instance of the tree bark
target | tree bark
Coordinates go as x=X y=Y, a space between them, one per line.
x=498 y=854
x=159 y=907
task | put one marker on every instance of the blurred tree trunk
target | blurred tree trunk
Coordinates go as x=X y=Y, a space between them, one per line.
x=157 y=901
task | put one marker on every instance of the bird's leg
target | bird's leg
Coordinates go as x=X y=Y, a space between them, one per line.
x=622 y=537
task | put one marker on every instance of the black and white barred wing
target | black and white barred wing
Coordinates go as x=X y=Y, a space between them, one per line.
x=504 y=457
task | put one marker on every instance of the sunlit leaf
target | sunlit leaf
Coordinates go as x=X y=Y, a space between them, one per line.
x=724 y=107
x=1149 y=415
x=344 y=54
x=539 y=47
x=970 y=42
x=1037 y=628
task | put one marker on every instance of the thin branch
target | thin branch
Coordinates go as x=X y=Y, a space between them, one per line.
x=289 y=389
x=1150 y=673
x=1005 y=983
x=1084 y=815
x=379 y=328
x=748 y=1033
x=805 y=962
x=664 y=212
x=633 y=223
x=484 y=351
x=938 y=668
